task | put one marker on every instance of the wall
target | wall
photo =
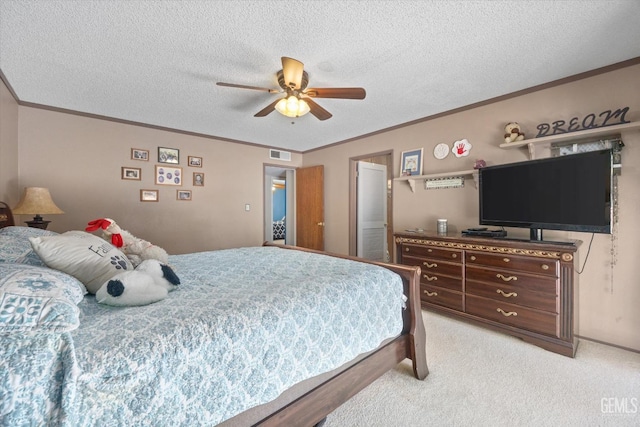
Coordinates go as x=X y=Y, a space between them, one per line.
x=9 y=191
x=609 y=290
x=79 y=159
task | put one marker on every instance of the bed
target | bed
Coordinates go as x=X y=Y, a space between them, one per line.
x=269 y=335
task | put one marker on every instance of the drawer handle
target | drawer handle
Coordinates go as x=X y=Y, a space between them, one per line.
x=429 y=250
x=454 y=255
x=473 y=258
x=507 y=313
x=506 y=278
x=430 y=278
x=430 y=265
x=506 y=295
x=431 y=294
x=406 y=249
x=506 y=259
x=544 y=266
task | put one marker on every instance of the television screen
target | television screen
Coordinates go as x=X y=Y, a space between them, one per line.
x=571 y=192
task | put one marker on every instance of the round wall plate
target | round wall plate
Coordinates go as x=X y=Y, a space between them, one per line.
x=441 y=151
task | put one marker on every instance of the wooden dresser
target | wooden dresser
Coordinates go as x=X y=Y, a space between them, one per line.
x=521 y=288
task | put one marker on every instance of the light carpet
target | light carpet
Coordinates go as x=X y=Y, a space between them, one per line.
x=483 y=378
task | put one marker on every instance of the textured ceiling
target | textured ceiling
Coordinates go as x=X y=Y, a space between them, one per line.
x=157 y=62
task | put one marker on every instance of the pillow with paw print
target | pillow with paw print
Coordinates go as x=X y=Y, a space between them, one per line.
x=87 y=257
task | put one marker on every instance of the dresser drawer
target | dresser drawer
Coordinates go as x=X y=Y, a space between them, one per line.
x=432 y=252
x=517 y=280
x=438 y=273
x=439 y=296
x=544 y=266
x=513 y=315
x=435 y=266
x=513 y=295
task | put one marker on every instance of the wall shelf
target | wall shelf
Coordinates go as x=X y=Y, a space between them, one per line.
x=546 y=141
x=411 y=180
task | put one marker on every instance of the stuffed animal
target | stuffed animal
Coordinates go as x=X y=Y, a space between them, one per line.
x=136 y=249
x=512 y=132
x=150 y=282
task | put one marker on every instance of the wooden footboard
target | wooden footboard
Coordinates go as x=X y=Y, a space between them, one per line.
x=316 y=404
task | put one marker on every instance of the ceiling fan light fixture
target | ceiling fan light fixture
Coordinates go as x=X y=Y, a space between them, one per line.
x=292 y=106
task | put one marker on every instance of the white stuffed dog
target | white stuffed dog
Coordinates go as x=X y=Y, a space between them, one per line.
x=136 y=249
x=150 y=282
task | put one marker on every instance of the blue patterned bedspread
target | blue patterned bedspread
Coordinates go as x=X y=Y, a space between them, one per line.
x=244 y=325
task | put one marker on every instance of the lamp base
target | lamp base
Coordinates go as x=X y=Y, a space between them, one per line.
x=37 y=222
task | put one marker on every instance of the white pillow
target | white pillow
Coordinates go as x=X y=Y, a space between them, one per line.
x=87 y=257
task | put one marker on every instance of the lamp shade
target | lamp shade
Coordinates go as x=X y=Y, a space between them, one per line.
x=36 y=201
x=292 y=106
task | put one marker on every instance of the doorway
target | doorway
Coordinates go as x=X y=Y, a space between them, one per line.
x=279 y=205
x=359 y=213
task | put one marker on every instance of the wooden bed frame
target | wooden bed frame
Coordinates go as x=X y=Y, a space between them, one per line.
x=314 y=405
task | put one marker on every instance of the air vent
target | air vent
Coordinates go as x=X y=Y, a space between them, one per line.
x=279 y=155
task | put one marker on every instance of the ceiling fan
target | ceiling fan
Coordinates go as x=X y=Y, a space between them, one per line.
x=293 y=81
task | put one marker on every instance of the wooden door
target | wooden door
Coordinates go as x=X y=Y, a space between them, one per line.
x=310 y=207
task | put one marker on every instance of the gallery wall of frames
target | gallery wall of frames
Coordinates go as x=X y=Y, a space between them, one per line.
x=168 y=171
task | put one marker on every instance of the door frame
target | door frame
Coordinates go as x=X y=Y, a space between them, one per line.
x=267 y=206
x=353 y=200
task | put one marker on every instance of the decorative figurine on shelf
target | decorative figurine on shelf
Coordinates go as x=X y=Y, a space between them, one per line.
x=479 y=164
x=512 y=132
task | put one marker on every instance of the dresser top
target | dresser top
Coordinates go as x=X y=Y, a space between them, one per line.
x=455 y=239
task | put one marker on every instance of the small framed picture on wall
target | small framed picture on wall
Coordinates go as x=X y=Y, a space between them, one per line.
x=138 y=154
x=195 y=162
x=184 y=195
x=168 y=155
x=411 y=162
x=131 y=173
x=168 y=175
x=148 y=195
x=198 y=179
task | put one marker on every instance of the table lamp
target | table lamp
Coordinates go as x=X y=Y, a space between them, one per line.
x=37 y=201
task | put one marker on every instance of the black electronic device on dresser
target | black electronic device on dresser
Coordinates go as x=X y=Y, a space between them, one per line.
x=571 y=192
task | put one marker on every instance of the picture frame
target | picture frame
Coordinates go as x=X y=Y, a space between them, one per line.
x=168 y=175
x=411 y=162
x=198 y=179
x=130 y=173
x=168 y=155
x=183 y=195
x=194 y=162
x=149 y=195
x=139 y=154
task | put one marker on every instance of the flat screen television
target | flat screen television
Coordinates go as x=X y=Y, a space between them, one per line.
x=570 y=192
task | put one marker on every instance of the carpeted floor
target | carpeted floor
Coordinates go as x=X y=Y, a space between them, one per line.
x=482 y=378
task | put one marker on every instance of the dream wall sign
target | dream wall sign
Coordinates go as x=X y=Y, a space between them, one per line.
x=590 y=121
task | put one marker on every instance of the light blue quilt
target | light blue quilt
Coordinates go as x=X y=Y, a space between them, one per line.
x=244 y=325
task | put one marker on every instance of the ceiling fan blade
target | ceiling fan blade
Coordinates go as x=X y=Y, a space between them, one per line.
x=266 y=110
x=264 y=89
x=317 y=110
x=337 y=92
x=292 y=70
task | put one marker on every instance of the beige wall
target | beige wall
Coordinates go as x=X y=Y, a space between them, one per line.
x=80 y=159
x=9 y=192
x=609 y=288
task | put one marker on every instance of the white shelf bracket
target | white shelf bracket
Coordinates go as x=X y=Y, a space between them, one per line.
x=412 y=184
x=532 y=151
